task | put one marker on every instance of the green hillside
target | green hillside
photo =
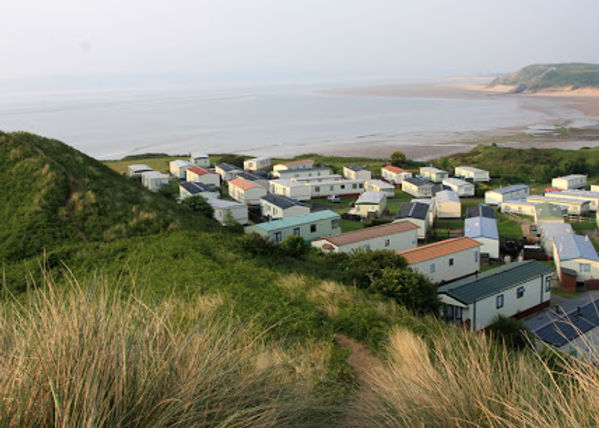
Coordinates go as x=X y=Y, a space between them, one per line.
x=546 y=76
x=53 y=194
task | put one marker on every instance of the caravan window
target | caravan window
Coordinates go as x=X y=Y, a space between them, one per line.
x=499 y=301
x=548 y=284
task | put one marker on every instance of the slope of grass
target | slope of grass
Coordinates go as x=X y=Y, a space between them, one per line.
x=53 y=194
x=543 y=76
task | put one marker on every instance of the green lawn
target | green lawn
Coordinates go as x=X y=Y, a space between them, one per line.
x=446 y=223
x=567 y=295
x=349 y=225
x=507 y=228
x=582 y=228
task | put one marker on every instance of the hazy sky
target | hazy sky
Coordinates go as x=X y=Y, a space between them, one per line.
x=290 y=38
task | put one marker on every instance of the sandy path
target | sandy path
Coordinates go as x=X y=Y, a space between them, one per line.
x=362 y=360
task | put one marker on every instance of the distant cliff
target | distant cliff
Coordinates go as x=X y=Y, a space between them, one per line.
x=539 y=77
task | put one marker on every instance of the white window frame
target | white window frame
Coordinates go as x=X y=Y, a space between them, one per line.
x=499 y=301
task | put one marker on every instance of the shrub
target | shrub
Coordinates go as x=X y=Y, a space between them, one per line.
x=510 y=331
x=364 y=266
x=199 y=205
x=398 y=158
x=295 y=246
x=408 y=288
x=257 y=245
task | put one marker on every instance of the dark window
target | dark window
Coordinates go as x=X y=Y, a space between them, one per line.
x=458 y=313
x=499 y=301
x=451 y=262
x=387 y=242
x=317 y=189
x=520 y=292
x=548 y=284
x=343 y=186
x=335 y=223
x=278 y=237
x=296 y=231
x=312 y=228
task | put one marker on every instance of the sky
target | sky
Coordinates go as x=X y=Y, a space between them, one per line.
x=292 y=39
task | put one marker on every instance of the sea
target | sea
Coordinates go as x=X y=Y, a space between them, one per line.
x=111 y=123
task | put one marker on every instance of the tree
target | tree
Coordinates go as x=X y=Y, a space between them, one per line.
x=364 y=265
x=232 y=159
x=410 y=289
x=199 y=204
x=511 y=332
x=398 y=159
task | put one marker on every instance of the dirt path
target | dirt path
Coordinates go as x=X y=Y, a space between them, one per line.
x=69 y=198
x=362 y=360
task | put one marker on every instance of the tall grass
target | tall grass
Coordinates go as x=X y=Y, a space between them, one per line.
x=464 y=380
x=86 y=356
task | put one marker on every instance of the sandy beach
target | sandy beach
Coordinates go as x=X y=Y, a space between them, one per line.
x=555 y=103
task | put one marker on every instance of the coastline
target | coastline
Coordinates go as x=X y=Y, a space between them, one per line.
x=584 y=101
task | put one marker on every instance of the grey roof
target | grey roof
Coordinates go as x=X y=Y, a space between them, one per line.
x=199 y=155
x=472 y=289
x=457 y=181
x=227 y=167
x=139 y=167
x=413 y=210
x=355 y=167
x=551 y=229
x=548 y=211
x=571 y=246
x=447 y=195
x=295 y=171
x=380 y=183
x=571 y=176
x=481 y=227
x=567 y=326
x=417 y=181
x=181 y=162
x=432 y=169
x=193 y=187
x=248 y=176
x=154 y=174
x=223 y=203
x=578 y=193
x=510 y=189
x=427 y=201
x=281 y=201
x=371 y=197
x=480 y=211
x=290 y=183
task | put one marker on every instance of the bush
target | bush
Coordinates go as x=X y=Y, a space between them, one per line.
x=408 y=288
x=257 y=245
x=199 y=205
x=233 y=225
x=364 y=266
x=398 y=159
x=511 y=332
x=295 y=246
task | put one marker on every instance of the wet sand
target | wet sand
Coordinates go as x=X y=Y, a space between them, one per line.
x=585 y=101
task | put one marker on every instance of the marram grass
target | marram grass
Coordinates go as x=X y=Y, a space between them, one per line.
x=88 y=357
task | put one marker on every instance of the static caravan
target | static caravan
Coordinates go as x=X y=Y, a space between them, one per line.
x=198 y=174
x=303 y=173
x=246 y=191
x=433 y=174
x=510 y=290
x=137 y=170
x=318 y=179
x=520 y=207
x=178 y=168
x=206 y=191
x=509 y=193
x=291 y=189
x=200 y=159
x=394 y=174
x=461 y=187
x=370 y=204
x=431 y=207
x=446 y=260
x=447 y=204
x=579 y=195
x=293 y=165
x=417 y=187
x=480 y=211
x=225 y=210
x=154 y=180
x=548 y=212
x=595 y=187
x=418 y=214
x=471 y=173
x=310 y=226
x=549 y=231
x=375 y=185
x=279 y=206
x=571 y=206
x=336 y=187
x=227 y=171
x=570 y=182
x=576 y=252
x=483 y=230
x=397 y=236
x=257 y=164
x=356 y=172
x=256 y=179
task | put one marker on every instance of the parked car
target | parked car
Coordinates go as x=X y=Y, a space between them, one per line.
x=334 y=198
